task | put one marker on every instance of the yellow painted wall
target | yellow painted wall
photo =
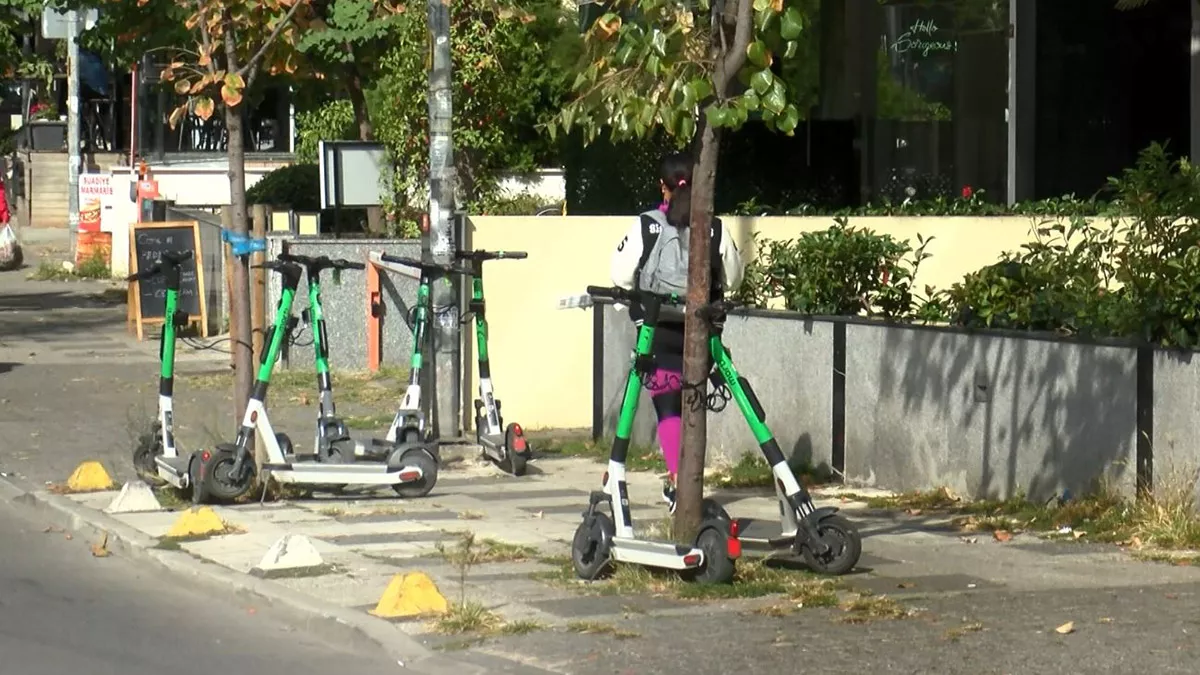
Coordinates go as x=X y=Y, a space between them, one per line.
x=541 y=357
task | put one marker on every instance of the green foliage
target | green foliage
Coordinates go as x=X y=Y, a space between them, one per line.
x=126 y=30
x=521 y=204
x=504 y=83
x=333 y=121
x=651 y=64
x=1134 y=273
x=296 y=186
x=351 y=32
x=841 y=271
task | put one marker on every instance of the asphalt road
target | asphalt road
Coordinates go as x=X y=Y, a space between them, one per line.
x=63 y=611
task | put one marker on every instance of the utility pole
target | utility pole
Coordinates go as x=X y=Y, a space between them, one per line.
x=437 y=242
x=73 y=128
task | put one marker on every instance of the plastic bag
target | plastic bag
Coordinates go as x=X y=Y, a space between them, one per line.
x=10 y=249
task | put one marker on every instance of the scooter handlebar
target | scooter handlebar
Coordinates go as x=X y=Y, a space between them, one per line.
x=480 y=256
x=422 y=265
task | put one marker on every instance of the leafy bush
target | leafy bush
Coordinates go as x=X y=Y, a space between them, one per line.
x=333 y=121
x=839 y=271
x=296 y=186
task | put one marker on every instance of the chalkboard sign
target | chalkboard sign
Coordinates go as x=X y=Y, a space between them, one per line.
x=147 y=242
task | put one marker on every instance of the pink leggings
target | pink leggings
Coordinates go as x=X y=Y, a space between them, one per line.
x=666 y=391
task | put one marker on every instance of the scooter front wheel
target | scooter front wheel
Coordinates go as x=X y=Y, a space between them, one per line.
x=845 y=546
x=591 y=546
x=149 y=446
x=219 y=481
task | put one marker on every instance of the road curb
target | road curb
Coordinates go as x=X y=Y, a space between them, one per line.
x=319 y=617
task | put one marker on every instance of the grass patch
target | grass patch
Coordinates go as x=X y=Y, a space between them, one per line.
x=640 y=457
x=300 y=386
x=755 y=578
x=520 y=627
x=486 y=551
x=1176 y=558
x=866 y=607
x=1163 y=519
x=369 y=422
x=467 y=617
x=955 y=633
x=598 y=628
x=172 y=498
x=92 y=268
x=752 y=471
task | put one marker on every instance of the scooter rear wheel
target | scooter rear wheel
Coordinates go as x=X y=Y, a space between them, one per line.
x=718 y=567
x=429 y=469
x=591 y=546
x=218 y=481
x=515 y=459
x=845 y=542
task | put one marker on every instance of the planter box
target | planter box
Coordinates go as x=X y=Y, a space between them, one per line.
x=47 y=136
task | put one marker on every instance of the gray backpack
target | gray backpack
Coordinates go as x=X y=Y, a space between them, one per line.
x=663 y=267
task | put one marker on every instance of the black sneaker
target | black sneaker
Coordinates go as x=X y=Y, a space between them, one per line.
x=668 y=495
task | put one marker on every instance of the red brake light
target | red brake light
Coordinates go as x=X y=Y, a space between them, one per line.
x=408 y=476
x=205 y=456
x=692 y=559
x=733 y=548
x=734 y=528
x=517 y=429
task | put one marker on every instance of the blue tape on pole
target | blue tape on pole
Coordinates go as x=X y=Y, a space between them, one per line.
x=241 y=244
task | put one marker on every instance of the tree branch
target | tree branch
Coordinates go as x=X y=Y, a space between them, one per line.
x=250 y=68
x=735 y=58
x=205 y=38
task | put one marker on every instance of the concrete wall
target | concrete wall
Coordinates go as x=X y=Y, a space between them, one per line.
x=1176 y=400
x=566 y=254
x=987 y=416
x=345 y=304
x=793 y=388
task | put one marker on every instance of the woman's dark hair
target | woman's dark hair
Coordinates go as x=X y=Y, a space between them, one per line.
x=676 y=174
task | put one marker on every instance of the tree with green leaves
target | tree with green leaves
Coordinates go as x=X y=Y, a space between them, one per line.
x=347 y=40
x=691 y=69
x=505 y=83
x=231 y=44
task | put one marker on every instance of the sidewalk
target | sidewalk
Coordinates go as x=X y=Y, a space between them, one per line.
x=367 y=540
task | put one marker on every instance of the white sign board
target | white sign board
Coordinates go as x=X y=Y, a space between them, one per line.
x=54 y=22
x=353 y=173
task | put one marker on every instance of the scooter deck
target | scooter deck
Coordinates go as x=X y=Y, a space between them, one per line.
x=353 y=474
x=174 y=470
x=655 y=553
x=762 y=535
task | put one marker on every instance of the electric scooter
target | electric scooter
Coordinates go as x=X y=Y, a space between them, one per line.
x=604 y=538
x=409 y=424
x=506 y=446
x=227 y=472
x=333 y=441
x=156 y=455
x=828 y=542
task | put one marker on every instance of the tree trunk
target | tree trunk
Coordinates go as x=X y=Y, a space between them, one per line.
x=239 y=300
x=366 y=132
x=690 y=481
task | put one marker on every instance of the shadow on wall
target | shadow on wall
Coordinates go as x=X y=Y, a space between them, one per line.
x=990 y=416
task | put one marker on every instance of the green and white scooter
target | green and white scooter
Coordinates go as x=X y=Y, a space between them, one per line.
x=227 y=472
x=829 y=543
x=409 y=425
x=333 y=441
x=156 y=455
x=507 y=446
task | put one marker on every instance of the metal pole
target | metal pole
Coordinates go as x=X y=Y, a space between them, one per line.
x=438 y=241
x=73 y=128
